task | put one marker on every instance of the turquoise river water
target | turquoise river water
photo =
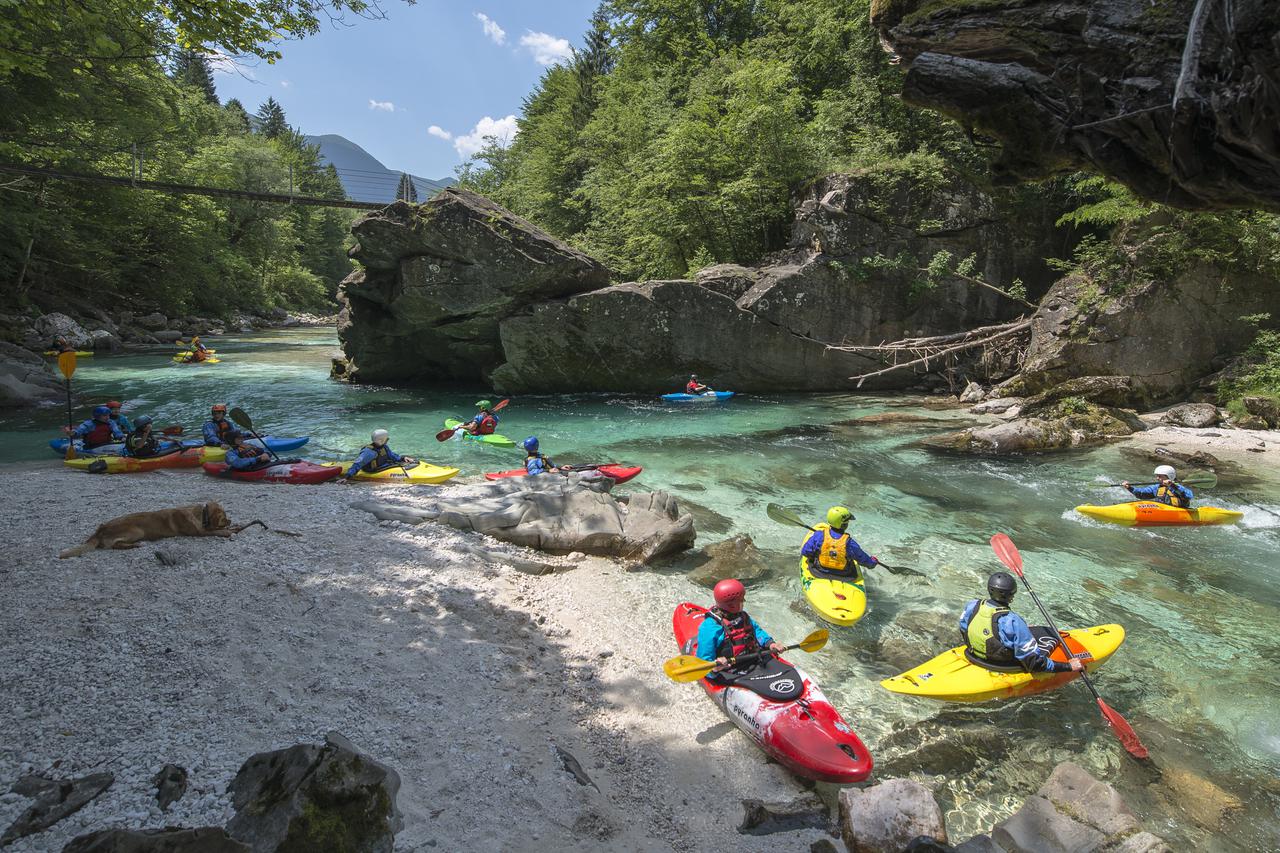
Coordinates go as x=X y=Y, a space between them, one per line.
x=1197 y=676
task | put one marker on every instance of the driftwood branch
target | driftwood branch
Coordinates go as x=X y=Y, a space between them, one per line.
x=940 y=346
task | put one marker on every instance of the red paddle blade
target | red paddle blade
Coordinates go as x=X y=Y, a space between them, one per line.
x=1007 y=552
x=501 y=405
x=445 y=434
x=1128 y=737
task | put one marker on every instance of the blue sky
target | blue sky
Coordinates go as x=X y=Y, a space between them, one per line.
x=419 y=89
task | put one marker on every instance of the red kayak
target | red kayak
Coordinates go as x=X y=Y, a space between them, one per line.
x=292 y=471
x=617 y=473
x=804 y=734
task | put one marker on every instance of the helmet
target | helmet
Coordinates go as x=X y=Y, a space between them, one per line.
x=530 y=444
x=729 y=594
x=693 y=376
x=1002 y=586
x=484 y=404
x=114 y=404
x=219 y=407
x=839 y=517
x=143 y=421
x=1167 y=471
x=99 y=411
x=379 y=437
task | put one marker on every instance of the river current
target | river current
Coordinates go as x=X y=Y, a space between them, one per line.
x=1198 y=675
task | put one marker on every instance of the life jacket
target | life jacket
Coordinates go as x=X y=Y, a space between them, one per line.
x=226 y=430
x=249 y=451
x=99 y=435
x=382 y=460
x=488 y=423
x=983 y=635
x=139 y=445
x=536 y=463
x=692 y=388
x=1167 y=495
x=834 y=553
x=739 y=633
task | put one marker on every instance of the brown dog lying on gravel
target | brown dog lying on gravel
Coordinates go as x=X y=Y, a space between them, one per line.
x=207 y=519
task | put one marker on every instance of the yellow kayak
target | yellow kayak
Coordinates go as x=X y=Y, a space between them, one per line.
x=420 y=473
x=185 y=358
x=838 y=602
x=191 y=457
x=1156 y=514
x=79 y=353
x=950 y=677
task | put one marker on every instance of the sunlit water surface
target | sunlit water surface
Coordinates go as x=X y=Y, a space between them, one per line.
x=1197 y=676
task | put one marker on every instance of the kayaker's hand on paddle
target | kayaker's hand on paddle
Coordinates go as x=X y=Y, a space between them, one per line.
x=1076 y=665
x=1126 y=485
x=776 y=648
x=721 y=663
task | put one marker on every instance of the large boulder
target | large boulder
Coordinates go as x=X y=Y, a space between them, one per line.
x=1063 y=425
x=437 y=279
x=55 y=325
x=24 y=377
x=886 y=818
x=315 y=797
x=1178 y=100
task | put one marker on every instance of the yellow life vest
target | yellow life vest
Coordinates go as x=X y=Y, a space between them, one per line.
x=833 y=555
x=1166 y=495
x=983 y=636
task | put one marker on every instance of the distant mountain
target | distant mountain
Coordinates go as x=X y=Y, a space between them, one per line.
x=364 y=177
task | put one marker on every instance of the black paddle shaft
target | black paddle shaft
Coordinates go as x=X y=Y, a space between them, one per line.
x=1084 y=676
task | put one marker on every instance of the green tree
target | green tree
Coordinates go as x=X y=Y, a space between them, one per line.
x=271 y=120
x=192 y=69
x=405 y=190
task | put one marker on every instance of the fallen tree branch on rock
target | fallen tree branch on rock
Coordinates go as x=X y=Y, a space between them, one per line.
x=931 y=349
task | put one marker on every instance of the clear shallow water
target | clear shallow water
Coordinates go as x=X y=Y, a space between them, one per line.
x=1197 y=677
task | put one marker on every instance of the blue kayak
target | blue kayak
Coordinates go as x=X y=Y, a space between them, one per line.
x=712 y=397
x=279 y=445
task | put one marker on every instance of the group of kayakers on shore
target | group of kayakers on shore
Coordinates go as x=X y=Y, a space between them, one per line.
x=109 y=425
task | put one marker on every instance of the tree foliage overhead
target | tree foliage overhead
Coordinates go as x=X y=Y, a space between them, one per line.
x=96 y=87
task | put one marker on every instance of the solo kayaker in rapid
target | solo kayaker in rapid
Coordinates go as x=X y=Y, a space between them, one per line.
x=1166 y=491
x=218 y=431
x=141 y=443
x=997 y=635
x=244 y=456
x=534 y=461
x=832 y=552
x=119 y=418
x=98 y=430
x=696 y=388
x=485 y=422
x=377 y=456
x=729 y=631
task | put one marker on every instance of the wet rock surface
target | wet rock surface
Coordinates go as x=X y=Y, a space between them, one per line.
x=887 y=817
x=736 y=557
x=54 y=800
x=208 y=839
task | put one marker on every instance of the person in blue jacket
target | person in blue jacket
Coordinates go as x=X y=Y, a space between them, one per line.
x=120 y=418
x=728 y=631
x=997 y=635
x=1166 y=491
x=535 y=462
x=218 y=431
x=485 y=422
x=244 y=456
x=831 y=551
x=377 y=456
x=98 y=430
x=141 y=443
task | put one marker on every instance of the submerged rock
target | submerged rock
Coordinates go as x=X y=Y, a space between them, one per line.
x=887 y=817
x=736 y=557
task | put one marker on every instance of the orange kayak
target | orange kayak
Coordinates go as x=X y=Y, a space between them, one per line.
x=1156 y=514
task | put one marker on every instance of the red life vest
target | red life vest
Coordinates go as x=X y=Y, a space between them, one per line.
x=249 y=451
x=99 y=435
x=487 y=425
x=692 y=388
x=739 y=633
x=224 y=426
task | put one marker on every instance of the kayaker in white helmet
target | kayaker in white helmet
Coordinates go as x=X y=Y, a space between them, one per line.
x=377 y=456
x=997 y=636
x=1166 y=490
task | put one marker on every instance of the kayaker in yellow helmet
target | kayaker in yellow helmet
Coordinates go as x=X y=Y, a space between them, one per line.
x=831 y=551
x=996 y=635
x=1167 y=490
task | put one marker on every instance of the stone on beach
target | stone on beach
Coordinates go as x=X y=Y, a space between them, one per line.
x=885 y=818
x=55 y=800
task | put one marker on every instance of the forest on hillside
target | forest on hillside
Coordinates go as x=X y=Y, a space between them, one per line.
x=126 y=87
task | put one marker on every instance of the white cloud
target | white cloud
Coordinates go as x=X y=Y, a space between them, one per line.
x=502 y=129
x=285 y=84
x=439 y=132
x=491 y=29
x=546 y=48
x=384 y=106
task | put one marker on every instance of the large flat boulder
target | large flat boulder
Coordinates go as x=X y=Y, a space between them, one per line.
x=25 y=378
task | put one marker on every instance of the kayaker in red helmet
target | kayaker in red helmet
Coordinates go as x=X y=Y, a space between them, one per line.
x=695 y=387
x=728 y=631
x=121 y=420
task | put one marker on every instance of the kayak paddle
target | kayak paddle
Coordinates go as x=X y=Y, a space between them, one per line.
x=447 y=433
x=67 y=364
x=786 y=516
x=238 y=415
x=176 y=429
x=1206 y=480
x=685 y=668
x=1008 y=554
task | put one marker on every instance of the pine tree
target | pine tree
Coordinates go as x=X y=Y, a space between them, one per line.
x=595 y=60
x=192 y=69
x=271 y=120
x=239 y=115
x=407 y=191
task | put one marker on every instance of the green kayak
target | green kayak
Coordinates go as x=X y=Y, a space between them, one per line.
x=494 y=440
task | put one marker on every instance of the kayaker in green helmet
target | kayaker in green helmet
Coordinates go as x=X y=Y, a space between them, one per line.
x=484 y=423
x=831 y=551
x=995 y=635
x=1166 y=490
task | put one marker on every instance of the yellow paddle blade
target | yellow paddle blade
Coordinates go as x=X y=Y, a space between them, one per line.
x=686 y=668
x=67 y=363
x=814 y=641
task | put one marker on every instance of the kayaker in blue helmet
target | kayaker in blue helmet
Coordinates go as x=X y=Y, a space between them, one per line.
x=693 y=386
x=98 y=430
x=485 y=422
x=1166 y=491
x=729 y=631
x=995 y=634
x=377 y=456
x=535 y=462
x=218 y=431
x=120 y=418
x=832 y=552
x=141 y=443
x=244 y=456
